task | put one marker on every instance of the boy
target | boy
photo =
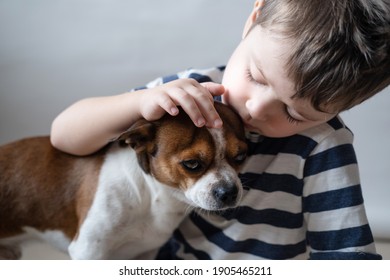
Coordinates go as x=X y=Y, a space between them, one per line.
x=300 y=63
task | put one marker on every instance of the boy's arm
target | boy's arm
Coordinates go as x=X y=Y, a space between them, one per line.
x=337 y=226
x=90 y=124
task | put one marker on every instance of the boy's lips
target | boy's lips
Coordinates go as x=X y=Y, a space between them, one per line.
x=246 y=120
x=250 y=127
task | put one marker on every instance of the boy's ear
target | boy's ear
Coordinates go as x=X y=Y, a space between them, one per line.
x=252 y=17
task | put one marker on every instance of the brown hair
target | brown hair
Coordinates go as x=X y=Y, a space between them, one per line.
x=340 y=48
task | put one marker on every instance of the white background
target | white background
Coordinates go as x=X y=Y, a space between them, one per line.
x=54 y=52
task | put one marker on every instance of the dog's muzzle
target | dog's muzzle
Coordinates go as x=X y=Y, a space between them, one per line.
x=225 y=195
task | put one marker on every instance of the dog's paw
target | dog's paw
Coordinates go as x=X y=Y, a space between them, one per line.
x=10 y=252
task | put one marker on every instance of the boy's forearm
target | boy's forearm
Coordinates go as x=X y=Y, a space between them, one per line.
x=90 y=124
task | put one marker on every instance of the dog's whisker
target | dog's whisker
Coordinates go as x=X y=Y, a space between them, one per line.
x=189 y=209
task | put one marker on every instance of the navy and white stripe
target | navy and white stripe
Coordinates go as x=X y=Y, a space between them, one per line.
x=302 y=199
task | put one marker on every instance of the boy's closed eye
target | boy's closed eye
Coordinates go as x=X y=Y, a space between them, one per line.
x=290 y=117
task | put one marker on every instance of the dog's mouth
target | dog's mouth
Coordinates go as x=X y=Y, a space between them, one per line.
x=220 y=196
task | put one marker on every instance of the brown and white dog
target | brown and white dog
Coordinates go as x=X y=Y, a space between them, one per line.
x=127 y=198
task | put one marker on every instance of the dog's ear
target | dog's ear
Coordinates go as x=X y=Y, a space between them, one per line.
x=140 y=137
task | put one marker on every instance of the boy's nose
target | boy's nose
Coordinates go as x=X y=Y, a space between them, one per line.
x=262 y=108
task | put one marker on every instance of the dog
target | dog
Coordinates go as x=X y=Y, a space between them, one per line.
x=126 y=199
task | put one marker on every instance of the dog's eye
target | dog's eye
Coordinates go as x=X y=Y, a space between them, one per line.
x=192 y=165
x=240 y=158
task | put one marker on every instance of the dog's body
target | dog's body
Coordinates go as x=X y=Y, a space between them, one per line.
x=120 y=202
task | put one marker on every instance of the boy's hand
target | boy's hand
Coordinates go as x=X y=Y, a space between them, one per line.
x=196 y=100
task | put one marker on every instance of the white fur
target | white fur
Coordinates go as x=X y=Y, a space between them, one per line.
x=54 y=237
x=132 y=213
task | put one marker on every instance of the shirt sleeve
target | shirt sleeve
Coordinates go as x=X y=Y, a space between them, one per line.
x=213 y=74
x=337 y=226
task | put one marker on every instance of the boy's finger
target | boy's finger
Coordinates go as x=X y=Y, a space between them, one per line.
x=214 y=88
x=186 y=101
x=205 y=103
x=211 y=115
x=213 y=119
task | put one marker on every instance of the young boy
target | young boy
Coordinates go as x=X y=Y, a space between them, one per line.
x=299 y=65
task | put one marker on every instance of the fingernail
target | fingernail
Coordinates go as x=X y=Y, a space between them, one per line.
x=200 y=122
x=174 y=111
x=218 y=123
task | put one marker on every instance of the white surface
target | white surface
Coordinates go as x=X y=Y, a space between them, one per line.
x=42 y=251
x=54 y=52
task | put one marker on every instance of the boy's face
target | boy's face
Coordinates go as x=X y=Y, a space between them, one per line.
x=258 y=88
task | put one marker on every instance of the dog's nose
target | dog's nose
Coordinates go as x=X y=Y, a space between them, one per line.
x=225 y=194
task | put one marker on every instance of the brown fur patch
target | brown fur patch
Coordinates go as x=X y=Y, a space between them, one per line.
x=35 y=192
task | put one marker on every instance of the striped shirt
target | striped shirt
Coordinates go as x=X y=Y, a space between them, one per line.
x=302 y=199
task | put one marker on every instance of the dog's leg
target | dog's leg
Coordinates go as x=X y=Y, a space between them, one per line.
x=88 y=249
x=10 y=252
x=94 y=239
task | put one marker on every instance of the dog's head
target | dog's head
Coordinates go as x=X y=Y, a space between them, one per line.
x=201 y=162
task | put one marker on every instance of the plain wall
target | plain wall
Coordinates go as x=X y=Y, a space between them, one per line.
x=54 y=52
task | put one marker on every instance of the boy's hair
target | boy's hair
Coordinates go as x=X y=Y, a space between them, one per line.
x=340 y=48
